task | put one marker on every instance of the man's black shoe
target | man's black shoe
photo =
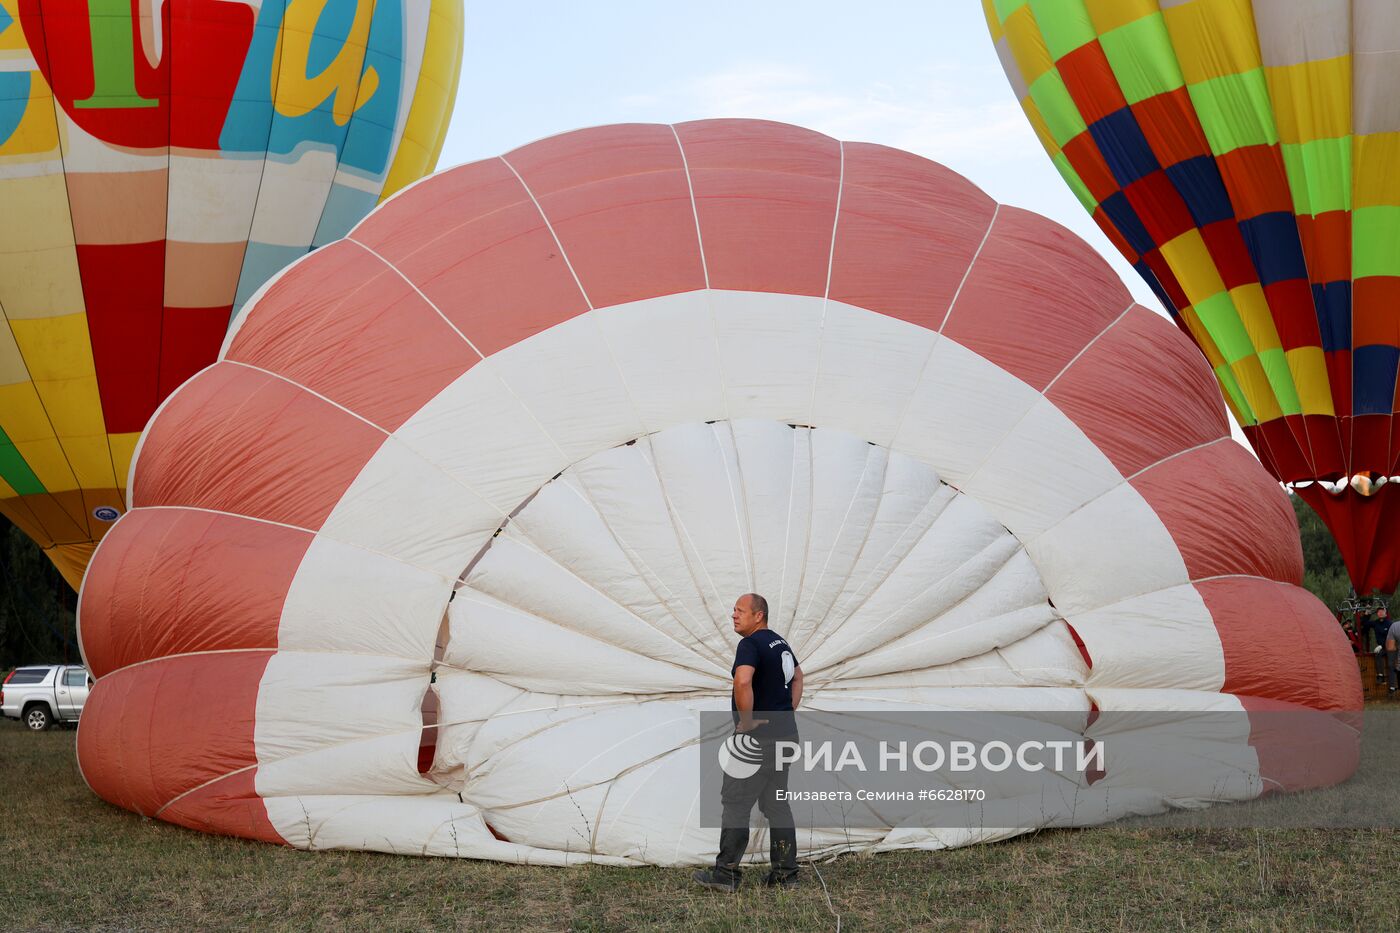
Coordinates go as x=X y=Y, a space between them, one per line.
x=772 y=880
x=712 y=878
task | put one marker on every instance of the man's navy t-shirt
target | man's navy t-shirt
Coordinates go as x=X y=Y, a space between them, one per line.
x=774 y=665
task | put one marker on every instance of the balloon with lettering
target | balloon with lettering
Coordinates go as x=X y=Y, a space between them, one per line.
x=439 y=557
x=1246 y=160
x=159 y=160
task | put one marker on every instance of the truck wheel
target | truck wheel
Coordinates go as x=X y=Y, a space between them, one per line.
x=37 y=718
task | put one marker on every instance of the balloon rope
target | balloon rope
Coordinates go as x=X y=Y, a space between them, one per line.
x=832 y=910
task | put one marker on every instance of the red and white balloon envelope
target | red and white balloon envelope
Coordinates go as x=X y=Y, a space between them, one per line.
x=439 y=557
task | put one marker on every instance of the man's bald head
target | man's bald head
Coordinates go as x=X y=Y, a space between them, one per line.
x=750 y=614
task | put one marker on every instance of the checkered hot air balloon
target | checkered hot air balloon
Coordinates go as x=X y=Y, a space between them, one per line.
x=1245 y=158
x=439 y=557
x=159 y=160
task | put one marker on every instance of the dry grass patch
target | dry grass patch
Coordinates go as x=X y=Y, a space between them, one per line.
x=73 y=862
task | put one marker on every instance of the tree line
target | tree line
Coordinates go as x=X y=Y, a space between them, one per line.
x=37 y=621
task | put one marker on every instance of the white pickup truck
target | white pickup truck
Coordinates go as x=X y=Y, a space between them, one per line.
x=43 y=694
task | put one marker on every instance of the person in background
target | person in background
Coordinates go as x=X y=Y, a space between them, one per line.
x=1392 y=658
x=1379 y=625
x=1349 y=627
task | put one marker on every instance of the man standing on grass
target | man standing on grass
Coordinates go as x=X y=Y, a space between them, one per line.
x=767 y=679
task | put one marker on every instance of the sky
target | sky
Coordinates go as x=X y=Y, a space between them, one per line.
x=921 y=76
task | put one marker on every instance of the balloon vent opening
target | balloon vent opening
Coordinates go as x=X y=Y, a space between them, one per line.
x=431 y=706
x=427 y=739
x=1083 y=648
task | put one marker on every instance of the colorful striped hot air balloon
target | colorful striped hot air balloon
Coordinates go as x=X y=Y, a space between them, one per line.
x=159 y=160
x=1246 y=159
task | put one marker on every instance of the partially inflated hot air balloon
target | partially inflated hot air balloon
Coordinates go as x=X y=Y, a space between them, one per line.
x=159 y=160
x=438 y=558
x=1246 y=159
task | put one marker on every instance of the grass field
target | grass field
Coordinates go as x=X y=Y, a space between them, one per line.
x=70 y=861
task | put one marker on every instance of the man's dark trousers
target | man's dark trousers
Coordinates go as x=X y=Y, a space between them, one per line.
x=738 y=796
